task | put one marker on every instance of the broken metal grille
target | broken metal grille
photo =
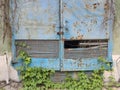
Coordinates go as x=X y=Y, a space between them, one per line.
x=40 y=48
x=85 y=49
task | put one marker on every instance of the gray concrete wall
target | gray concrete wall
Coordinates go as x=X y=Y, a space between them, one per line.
x=5 y=42
x=116 y=30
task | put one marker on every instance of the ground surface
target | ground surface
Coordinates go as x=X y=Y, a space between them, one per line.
x=18 y=86
x=11 y=86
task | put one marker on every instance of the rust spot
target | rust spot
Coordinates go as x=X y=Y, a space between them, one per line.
x=63 y=39
x=95 y=6
x=106 y=6
x=79 y=37
x=60 y=33
x=87 y=6
x=72 y=38
x=64 y=5
x=107 y=34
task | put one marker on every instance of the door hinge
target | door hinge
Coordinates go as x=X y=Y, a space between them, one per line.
x=60 y=33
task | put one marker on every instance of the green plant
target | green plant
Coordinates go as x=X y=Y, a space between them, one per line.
x=33 y=78
x=84 y=82
x=36 y=78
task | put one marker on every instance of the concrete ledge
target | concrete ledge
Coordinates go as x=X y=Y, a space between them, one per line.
x=116 y=69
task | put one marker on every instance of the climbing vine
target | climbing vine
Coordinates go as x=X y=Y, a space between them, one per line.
x=5 y=26
x=37 y=78
x=4 y=15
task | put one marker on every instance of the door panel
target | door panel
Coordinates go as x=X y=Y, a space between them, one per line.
x=66 y=35
x=83 y=54
x=37 y=19
x=86 y=33
x=85 y=19
x=36 y=23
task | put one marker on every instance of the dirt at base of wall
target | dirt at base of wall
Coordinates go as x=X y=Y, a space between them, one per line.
x=11 y=86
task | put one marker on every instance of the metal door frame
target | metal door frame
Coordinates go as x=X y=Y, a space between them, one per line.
x=61 y=45
x=67 y=66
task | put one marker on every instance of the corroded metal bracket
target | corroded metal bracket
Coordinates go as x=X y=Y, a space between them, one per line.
x=60 y=33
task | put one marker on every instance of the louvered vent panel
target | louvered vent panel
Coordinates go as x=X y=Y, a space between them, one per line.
x=86 y=49
x=40 y=48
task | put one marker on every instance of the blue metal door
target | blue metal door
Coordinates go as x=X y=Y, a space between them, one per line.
x=87 y=33
x=66 y=35
x=85 y=19
x=36 y=23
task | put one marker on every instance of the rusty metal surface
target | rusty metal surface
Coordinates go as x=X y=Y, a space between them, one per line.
x=82 y=19
x=36 y=19
x=86 y=49
x=40 y=48
x=63 y=20
x=86 y=19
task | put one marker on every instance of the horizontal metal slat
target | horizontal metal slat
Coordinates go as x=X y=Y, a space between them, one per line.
x=40 y=48
x=86 y=49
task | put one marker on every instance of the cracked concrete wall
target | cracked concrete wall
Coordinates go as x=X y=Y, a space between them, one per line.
x=5 y=44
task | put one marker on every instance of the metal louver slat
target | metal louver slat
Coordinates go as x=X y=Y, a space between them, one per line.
x=86 y=49
x=40 y=48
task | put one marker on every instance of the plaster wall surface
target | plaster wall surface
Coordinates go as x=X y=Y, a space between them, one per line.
x=116 y=30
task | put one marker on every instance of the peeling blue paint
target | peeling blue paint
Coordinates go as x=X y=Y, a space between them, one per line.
x=65 y=20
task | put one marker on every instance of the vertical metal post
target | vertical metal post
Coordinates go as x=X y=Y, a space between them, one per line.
x=61 y=48
x=12 y=13
x=110 y=41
